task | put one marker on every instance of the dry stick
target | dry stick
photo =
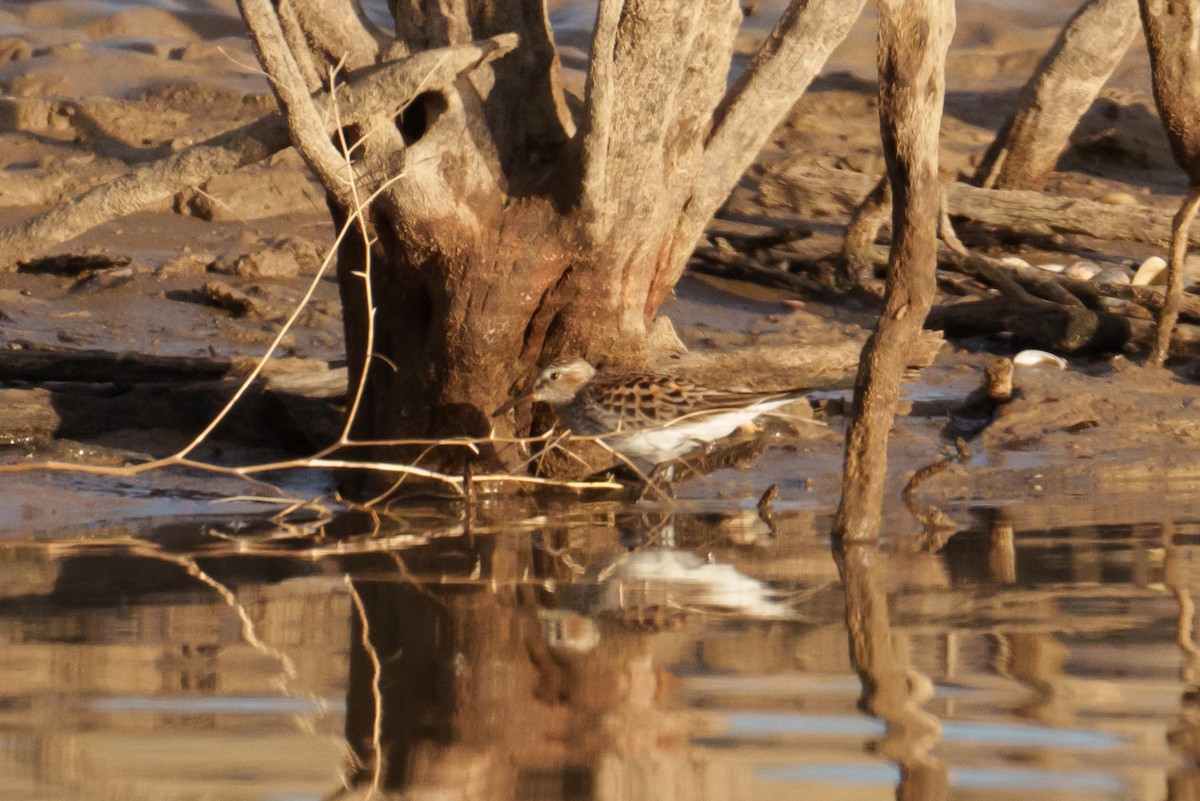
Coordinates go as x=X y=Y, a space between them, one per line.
x=1169 y=313
x=290 y=505
x=364 y=276
x=913 y=40
x=291 y=320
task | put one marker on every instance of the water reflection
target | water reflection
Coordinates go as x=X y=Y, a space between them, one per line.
x=601 y=653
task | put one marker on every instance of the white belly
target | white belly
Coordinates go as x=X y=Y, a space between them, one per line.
x=671 y=441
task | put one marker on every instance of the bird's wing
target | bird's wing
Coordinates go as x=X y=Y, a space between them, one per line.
x=644 y=400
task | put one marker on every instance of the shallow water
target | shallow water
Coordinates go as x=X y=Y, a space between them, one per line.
x=601 y=652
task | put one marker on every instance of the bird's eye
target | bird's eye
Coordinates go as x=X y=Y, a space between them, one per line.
x=554 y=375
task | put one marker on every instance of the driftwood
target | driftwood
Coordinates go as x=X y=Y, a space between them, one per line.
x=1048 y=310
x=389 y=87
x=59 y=364
x=739 y=266
x=1018 y=211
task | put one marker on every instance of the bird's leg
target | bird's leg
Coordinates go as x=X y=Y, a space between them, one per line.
x=661 y=482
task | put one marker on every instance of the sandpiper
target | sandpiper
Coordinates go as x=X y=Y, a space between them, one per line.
x=654 y=417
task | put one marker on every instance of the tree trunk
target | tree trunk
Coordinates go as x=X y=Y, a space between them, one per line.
x=503 y=228
x=1062 y=88
x=914 y=36
x=1172 y=29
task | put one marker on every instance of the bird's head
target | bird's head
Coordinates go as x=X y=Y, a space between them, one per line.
x=561 y=381
x=557 y=384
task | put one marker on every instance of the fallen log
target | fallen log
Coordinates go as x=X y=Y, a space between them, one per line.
x=36 y=365
x=1023 y=211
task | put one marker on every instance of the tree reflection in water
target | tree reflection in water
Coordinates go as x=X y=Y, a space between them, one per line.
x=892 y=689
x=603 y=652
x=493 y=687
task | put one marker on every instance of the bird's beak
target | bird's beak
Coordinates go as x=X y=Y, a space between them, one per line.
x=517 y=401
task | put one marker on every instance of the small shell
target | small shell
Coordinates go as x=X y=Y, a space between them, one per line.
x=1111 y=275
x=1083 y=270
x=1152 y=271
x=1035 y=358
x=1119 y=199
x=1012 y=261
x=1051 y=268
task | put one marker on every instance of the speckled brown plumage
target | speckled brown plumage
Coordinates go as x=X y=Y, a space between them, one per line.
x=655 y=417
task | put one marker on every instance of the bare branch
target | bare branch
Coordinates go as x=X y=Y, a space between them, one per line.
x=781 y=71
x=293 y=32
x=599 y=99
x=1021 y=210
x=1169 y=313
x=305 y=122
x=338 y=30
x=1172 y=29
x=388 y=88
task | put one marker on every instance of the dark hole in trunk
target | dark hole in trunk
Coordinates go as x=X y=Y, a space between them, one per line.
x=421 y=113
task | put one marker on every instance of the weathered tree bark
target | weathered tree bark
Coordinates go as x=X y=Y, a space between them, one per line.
x=1172 y=28
x=504 y=231
x=1061 y=89
x=141 y=187
x=914 y=36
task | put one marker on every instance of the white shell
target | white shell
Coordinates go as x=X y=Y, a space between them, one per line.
x=1152 y=271
x=1083 y=270
x=1119 y=199
x=1034 y=358
x=1111 y=275
x=1051 y=268
x=1012 y=261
